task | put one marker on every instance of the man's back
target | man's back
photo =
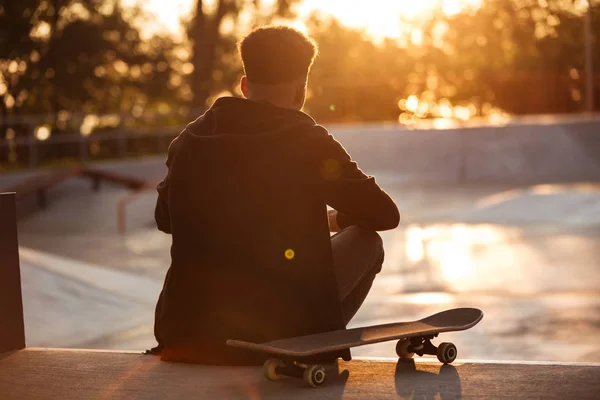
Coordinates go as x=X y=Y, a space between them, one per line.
x=245 y=200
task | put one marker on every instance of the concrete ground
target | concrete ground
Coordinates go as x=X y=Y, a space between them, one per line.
x=38 y=374
x=528 y=260
x=525 y=251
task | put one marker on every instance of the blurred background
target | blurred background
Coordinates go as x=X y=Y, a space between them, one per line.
x=478 y=116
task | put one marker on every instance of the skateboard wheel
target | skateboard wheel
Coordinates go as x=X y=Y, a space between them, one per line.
x=314 y=375
x=402 y=349
x=446 y=352
x=270 y=369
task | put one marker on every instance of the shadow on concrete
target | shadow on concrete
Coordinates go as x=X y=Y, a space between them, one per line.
x=336 y=381
x=7 y=354
x=256 y=387
x=415 y=383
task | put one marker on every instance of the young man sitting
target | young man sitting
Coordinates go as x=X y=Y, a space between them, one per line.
x=245 y=200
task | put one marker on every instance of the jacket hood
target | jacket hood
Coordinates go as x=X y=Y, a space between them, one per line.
x=238 y=116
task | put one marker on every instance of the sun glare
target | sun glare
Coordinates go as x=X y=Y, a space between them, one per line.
x=168 y=14
x=382 y=18
x=379 y=18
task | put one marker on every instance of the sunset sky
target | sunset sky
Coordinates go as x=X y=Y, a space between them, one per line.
x=379 y=17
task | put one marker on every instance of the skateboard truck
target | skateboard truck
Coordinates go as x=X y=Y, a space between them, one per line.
x=313 y=374
x=421 y=345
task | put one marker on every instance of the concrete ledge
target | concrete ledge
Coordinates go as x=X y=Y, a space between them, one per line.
x=84 y=374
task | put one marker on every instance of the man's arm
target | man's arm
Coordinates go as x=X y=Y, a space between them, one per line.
x=357 y=198
x=161 y=212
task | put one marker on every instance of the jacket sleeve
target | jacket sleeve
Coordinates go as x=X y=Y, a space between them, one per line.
x=161 y=211
x=357 y=197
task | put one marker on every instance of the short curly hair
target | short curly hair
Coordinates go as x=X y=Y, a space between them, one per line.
x=276 y=54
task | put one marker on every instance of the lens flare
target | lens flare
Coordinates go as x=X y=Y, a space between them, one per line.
x=290 y=254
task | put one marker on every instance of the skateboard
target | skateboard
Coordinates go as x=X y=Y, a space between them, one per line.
x=413 y=337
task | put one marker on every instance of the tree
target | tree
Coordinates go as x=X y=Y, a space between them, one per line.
x=520 y=56
x=353 y=78
x=78 y=56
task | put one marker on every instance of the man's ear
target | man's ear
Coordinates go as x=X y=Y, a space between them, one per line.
x=300 y=96
x=244 y=86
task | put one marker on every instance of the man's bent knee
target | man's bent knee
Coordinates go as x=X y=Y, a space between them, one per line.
x=365 y=235
x=370 y=242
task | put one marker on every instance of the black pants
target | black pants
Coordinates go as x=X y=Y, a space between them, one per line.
x=358 y=257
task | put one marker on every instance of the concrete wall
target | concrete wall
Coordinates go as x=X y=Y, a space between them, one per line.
x=527 y=153
x=531 y=151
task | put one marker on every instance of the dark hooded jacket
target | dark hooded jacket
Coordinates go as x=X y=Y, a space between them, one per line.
x=245 y=201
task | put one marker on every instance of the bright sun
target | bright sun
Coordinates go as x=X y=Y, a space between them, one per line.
x=380 y=18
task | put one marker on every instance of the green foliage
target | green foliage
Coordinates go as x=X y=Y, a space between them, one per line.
x=523 y=56
x=77 y=55
x=353 y=78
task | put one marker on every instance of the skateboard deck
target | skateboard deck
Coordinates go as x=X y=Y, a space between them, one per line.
x=457 y=319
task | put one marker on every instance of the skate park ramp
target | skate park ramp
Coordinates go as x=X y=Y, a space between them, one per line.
x=525 y=152
x=505 y=219
x=69 y=303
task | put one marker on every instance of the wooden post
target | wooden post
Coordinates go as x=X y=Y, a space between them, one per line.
x=83 y=149
x=96 y=183
x=12 y=326
x=41 y=198
x=122 y=143
x=589 y=63
x=32 y=144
